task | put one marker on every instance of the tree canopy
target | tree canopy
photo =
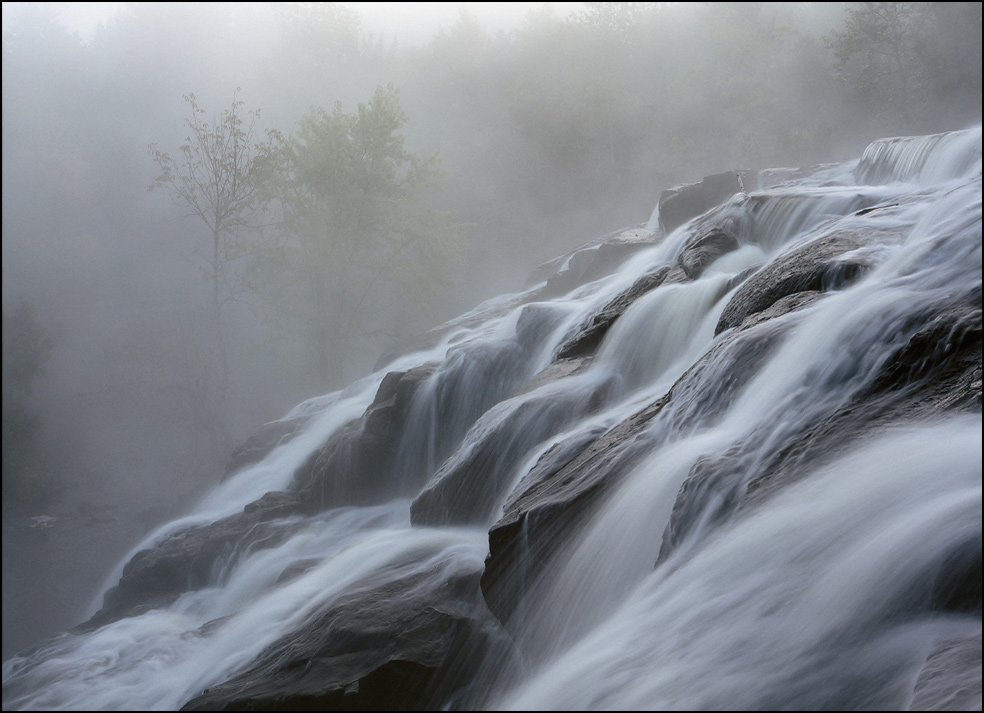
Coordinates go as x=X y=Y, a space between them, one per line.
x=360 y=233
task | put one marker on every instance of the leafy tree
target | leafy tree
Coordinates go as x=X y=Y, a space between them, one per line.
x=918 y=63
x=876 y=52
x=26 y=349
x=361 y=237
x=321 y=35
x=615 y=17
x=215 y=179
x=949 y=49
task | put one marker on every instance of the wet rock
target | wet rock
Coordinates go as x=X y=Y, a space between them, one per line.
x=771 y=177
x=559 y=369
x=355 y=465
x=820 y=265
x=939 y=366
x=589 y=335
x=585 y=256
x=707 y=248
x=679 y=204
x=937 y=370
x=192 y=558
x=676 y=276
x=957 y=583
x=568 y=482
x=409 y=643
x=784 y=305
x=951 y=677
x=592 y=262
x=389 y=409
x=468 y=487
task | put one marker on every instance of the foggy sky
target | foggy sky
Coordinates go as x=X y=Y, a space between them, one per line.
x=411 y=24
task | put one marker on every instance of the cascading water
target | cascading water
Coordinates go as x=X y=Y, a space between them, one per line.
x=748 y=478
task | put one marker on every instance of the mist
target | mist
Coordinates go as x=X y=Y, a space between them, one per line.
x=561 y=126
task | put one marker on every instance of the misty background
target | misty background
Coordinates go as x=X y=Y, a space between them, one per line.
x=132 y=366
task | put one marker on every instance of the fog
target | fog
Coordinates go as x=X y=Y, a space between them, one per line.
x=550 y=126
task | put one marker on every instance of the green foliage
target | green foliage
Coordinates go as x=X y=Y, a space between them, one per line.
x=910 y=59
x=615 y=17
x=876 y=51
x=362 y=238
x=26 y=349
x=320 y=34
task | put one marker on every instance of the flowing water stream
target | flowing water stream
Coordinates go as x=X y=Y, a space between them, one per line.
x=811 y=599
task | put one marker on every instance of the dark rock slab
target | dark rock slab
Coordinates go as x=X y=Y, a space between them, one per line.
x=679 y=204
x=188 y=560
x=676 y=276
x=938 y=368
x=593 y=262
x=784 y=305
x=354 y=467
x=936 y=371
x=820 y=265
x=468 y=487
x=569 y=480
x=589 y=335
x=410 y=642
x=705 y=249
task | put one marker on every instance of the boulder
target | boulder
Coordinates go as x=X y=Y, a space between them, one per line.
x=704 y=250
x=187 y=560
x=589 y=335
x=469 y=485
x=681 y=203
x=403 y=644
x=822 y=264
x=354 y=467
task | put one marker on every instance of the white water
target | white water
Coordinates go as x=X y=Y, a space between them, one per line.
x=805 y=602
x=793 y=607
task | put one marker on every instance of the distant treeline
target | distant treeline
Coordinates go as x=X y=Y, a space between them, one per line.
x=561 y=130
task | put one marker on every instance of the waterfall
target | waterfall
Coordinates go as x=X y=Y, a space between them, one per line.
x=674 y=474
x=803 y=605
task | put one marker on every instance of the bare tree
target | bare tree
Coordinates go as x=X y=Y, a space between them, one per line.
x=214 y=179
